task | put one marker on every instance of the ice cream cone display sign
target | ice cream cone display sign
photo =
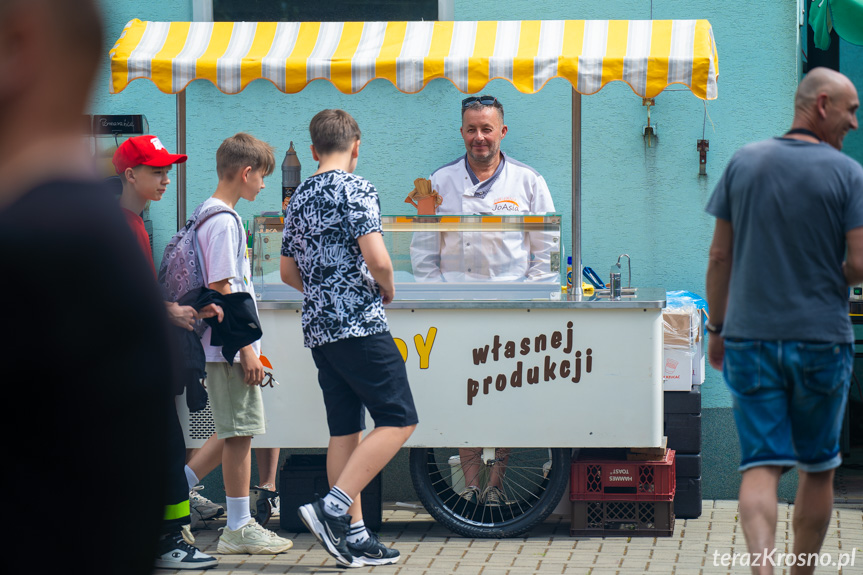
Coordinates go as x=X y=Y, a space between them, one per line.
x=424 y=198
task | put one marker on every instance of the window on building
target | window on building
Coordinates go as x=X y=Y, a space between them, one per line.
x=330 y=11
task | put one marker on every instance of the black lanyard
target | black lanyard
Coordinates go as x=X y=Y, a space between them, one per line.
x=804 y=132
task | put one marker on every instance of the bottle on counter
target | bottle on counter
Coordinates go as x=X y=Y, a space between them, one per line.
x=290 y=175
x=569 y=274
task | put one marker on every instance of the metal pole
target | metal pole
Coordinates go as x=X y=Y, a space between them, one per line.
x=181 y=168
x=576 y=193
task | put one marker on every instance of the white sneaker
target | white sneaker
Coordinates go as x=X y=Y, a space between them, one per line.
x=201 y=508
x=252 y=539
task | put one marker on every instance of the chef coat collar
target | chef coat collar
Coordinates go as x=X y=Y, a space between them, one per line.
x=485 y=187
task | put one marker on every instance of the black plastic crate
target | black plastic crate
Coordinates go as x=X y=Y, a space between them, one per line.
x=687 y=498
x=682 y=401
x=688 y=465
x=622 y=519
x=303 y=476
x=684 y=432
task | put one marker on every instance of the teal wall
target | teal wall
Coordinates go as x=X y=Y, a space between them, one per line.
x=645 y=201
x=851 y=64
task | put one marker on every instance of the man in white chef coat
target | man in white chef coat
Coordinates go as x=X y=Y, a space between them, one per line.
x=485 y=181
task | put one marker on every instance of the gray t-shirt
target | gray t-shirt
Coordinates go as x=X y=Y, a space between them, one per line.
x=790 y=204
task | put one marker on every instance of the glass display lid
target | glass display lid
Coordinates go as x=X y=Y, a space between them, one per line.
x=444 y=257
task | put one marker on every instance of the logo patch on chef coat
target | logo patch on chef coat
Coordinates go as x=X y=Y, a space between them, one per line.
x=505 y=205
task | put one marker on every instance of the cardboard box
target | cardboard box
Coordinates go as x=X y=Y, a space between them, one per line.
x=683 y=329
x=698 y=363
x=681 y=326
x=677 y=367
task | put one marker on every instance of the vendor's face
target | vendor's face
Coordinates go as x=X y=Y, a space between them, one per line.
x=482 y=130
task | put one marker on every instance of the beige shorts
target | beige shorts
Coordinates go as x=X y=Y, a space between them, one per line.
x=238 y=408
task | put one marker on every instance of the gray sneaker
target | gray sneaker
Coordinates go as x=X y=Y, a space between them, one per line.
x=253 y=539
x=494 y=496
x=201 y=508
x=471 y=494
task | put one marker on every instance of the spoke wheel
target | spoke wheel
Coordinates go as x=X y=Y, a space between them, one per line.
x=529 y=481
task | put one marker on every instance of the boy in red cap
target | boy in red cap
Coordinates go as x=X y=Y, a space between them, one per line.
x=143 y=164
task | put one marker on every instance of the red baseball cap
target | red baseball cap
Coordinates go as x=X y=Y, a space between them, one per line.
x=144 y=151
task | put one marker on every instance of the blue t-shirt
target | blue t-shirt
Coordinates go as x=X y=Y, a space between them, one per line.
x=323 y=220
x=790 y=204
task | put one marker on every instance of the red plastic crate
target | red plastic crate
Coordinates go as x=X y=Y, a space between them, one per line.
x=623 y=480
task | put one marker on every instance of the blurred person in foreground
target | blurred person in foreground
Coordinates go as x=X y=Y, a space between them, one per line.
x=789 y=214
x=83 y=320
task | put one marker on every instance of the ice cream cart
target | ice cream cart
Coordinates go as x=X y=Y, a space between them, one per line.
x=512 y=370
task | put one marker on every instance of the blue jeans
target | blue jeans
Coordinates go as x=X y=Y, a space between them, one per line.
x=789 y=399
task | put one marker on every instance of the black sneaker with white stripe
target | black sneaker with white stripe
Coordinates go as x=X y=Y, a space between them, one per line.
x=175 y=553
x=331 y=531
x=373 y=552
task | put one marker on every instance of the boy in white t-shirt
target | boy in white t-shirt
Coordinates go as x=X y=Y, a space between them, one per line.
x=242 y=162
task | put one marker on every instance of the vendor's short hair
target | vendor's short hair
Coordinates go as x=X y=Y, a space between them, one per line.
x=480 y=102
x=333 y=131
x=241 y=150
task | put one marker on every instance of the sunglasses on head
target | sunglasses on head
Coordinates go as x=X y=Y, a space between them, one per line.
x=483 y=100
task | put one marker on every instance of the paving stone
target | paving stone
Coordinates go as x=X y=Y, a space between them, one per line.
x=634 y=562
x=552 y=566
x=523 y=562
x=557 y=555
x=429 y=549
x=588 y=545
x=583 y=560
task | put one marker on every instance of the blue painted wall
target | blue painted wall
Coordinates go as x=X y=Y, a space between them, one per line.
x=647 y=201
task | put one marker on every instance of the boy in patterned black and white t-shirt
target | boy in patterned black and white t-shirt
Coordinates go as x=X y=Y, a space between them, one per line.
x=333 y=251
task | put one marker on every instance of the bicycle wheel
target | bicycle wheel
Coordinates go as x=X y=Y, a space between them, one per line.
x=530 y=484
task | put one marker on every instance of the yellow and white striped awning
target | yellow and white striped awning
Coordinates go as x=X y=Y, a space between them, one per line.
x=649 y=55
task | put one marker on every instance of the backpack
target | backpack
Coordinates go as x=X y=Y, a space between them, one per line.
x=182 y=269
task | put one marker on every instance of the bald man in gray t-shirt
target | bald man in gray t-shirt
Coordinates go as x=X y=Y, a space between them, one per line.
x=786 y=211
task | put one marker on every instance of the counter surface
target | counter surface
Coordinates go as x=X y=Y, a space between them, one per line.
x=644 y=298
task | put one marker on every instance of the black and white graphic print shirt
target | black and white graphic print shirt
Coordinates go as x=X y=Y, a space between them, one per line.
x=323 y=220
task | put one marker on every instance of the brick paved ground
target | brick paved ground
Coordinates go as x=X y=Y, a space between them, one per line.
x=429 y=549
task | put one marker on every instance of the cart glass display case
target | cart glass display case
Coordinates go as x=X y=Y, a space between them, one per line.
x=444 y=258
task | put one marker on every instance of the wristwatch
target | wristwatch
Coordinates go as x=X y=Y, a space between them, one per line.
x=713 y=328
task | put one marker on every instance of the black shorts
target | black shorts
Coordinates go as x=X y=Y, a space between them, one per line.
x=364 y=372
